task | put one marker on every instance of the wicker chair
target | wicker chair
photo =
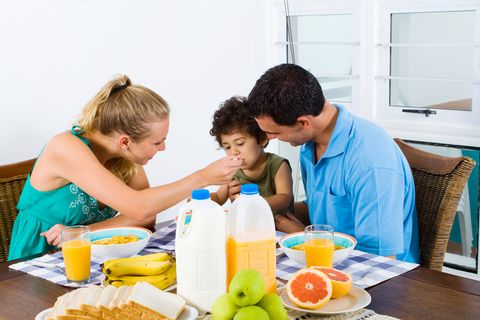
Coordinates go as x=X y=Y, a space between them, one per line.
x=12 y=179
x=439 y=183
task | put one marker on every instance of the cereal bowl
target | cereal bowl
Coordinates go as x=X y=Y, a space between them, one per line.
x=113 y=250
x=294 y=239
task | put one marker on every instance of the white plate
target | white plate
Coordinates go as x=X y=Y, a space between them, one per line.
x=189 y=313
x=356 y=299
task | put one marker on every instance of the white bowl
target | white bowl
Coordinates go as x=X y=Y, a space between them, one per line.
x=293 y=239
x=105 y=252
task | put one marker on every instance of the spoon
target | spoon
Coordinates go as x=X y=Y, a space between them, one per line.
x=45 y=265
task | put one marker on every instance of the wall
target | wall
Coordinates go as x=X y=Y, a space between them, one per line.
x=56 y=54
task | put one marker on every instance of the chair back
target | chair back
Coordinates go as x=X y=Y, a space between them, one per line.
x=439 y=183
x=12 y=179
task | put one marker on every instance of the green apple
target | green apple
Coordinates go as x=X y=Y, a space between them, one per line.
x=247 y=287
x=273 y=305
x=250 y=313
x=224 y=308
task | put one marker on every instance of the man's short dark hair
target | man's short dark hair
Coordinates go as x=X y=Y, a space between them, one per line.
x=284 y=93
x=233 y=116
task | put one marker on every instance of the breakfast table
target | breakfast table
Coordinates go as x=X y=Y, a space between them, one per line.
x=419 y=293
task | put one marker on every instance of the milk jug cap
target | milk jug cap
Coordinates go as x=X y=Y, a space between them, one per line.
x=249 y=188
x=200 y=194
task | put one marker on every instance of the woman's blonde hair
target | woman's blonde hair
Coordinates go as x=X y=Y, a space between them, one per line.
x=125 y=108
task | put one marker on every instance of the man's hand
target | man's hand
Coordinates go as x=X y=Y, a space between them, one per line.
x=288 y=223
x=53 y=235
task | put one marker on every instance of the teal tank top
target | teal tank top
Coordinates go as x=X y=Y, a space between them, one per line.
x=40 y=210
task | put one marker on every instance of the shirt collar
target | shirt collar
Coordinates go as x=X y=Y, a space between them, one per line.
x=338 y=140
x=341 y=133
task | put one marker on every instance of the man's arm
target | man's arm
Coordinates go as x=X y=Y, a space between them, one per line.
x=291 y=223
x=301 y=212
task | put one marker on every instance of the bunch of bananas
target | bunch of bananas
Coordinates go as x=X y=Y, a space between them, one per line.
x=158 y=269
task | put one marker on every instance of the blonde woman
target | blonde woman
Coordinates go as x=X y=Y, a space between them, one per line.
x=88 y=174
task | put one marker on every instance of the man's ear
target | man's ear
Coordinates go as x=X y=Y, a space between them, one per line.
x=305 y=121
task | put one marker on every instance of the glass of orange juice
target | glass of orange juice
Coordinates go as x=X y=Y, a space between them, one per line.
x=319 y=245
x=76 y=250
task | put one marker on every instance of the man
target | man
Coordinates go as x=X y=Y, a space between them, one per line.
x=355 y=177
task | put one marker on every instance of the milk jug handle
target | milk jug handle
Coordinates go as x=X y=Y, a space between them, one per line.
x=181 y=219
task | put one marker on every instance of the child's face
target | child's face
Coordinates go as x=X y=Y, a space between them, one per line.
x=243 y=146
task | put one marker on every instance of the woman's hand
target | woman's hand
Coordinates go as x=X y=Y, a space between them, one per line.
x=221 y=171
x=53 y=235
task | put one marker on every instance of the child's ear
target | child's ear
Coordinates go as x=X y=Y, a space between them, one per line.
x=264 y=142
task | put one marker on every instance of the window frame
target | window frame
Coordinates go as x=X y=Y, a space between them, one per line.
x=316 y=8
x=446 y=126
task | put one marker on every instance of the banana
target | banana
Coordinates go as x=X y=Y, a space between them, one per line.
x=138 y=268
x=160 y=281
x=161 y=256
x=117 y=284
x=131 y=280
x=169 y=280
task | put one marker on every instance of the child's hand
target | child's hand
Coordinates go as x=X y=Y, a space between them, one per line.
x=53 y=235
x=233 y=190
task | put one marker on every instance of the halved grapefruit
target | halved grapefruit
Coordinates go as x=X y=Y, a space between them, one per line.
x=309 y=288
x=341 y=281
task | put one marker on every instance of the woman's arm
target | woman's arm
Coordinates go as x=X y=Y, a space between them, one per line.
x=139 y=182
x=67 y=158
x=280 y=202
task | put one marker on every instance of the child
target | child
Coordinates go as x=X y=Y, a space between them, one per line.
x=240 y=136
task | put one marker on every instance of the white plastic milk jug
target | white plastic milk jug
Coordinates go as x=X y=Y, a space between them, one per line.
x=200 y=251
x=251 y=236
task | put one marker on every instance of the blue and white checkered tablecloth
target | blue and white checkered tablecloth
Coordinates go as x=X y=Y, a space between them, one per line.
x=366 y=269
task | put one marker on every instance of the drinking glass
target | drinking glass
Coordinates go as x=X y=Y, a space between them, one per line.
x=319 y=245
x=76 y=250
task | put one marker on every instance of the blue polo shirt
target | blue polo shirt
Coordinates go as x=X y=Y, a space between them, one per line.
x=363 y=186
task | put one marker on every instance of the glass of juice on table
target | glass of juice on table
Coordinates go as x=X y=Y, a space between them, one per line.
x=319 y=245
x=76 y=253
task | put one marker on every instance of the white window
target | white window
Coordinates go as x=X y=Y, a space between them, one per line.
x=327 y=54
x=427 y=76
x=322 y=37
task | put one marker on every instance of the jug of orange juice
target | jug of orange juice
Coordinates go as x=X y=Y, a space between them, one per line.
x=251 y=236
x=200 y=251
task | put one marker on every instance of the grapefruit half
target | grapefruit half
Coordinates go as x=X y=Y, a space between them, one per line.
x=309 y=288
x=341 y=281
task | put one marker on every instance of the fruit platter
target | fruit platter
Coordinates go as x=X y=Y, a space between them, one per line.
x=323 y=291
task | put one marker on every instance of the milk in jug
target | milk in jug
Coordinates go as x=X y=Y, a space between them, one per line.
x=200 y=251
x=251 y=236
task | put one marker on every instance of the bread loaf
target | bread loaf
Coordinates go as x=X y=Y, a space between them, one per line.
x=141 y=301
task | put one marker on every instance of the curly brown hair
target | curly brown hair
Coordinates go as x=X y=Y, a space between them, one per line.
x=233 y=116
